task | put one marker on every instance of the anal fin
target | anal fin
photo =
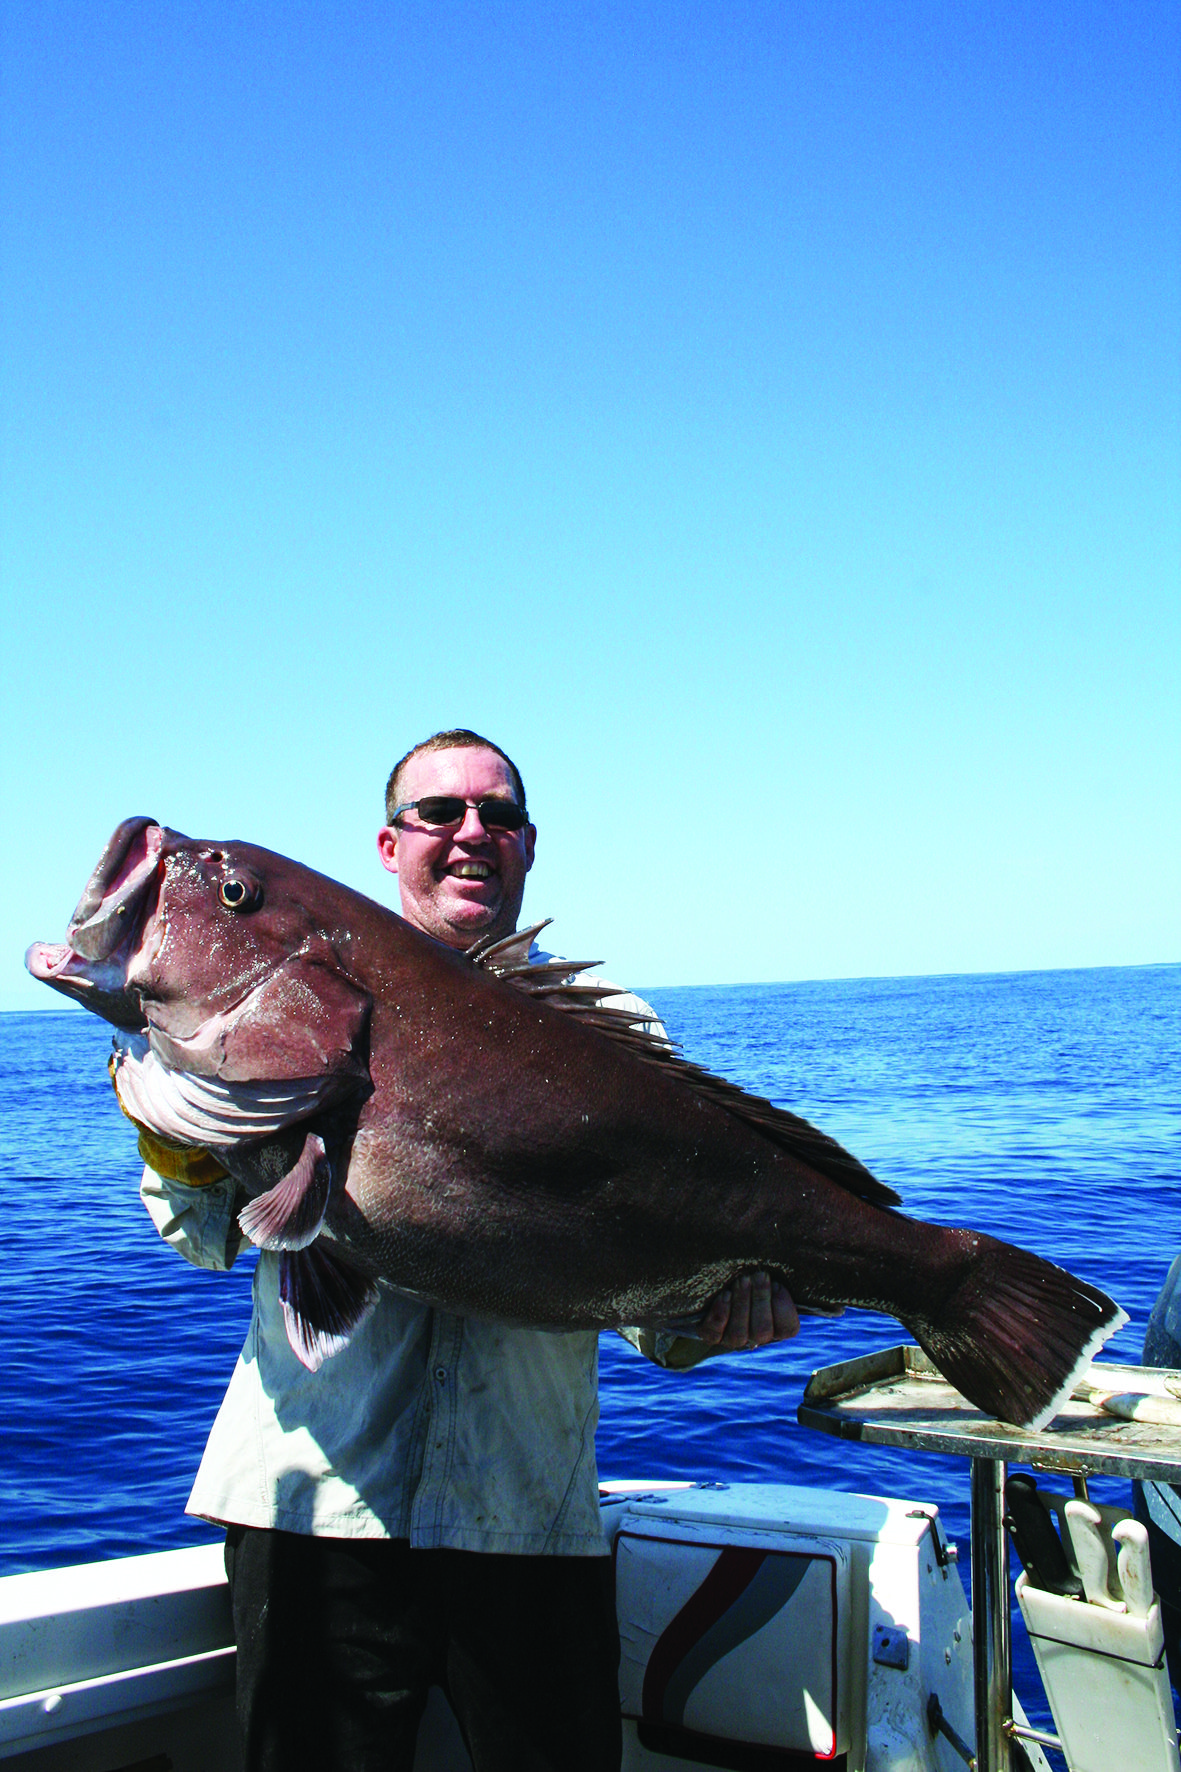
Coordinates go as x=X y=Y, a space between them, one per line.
x=324 y=1299
x=290 y=1214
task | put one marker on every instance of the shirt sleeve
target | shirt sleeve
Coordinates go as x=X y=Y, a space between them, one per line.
x=650 y=1022
x=199 y=1222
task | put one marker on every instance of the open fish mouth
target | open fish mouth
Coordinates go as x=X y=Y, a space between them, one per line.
x=105 y=927
x=112 y=903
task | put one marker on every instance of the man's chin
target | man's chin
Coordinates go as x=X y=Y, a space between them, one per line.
x=477 y=897
x=473 y=916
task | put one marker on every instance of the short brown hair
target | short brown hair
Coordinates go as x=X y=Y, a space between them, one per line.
x=458 y=738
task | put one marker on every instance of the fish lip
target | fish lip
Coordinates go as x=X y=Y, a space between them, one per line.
x=112 y=909
x=109 y=863
x=48 y=960
x=101 y=986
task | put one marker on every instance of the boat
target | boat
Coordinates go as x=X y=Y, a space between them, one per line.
x=853 y=1611
x=764 y=1627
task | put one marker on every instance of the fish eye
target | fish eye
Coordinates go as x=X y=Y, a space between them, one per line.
x=238 y=894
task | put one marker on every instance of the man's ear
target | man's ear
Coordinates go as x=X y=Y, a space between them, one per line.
x=530 y=835
x=387 y=848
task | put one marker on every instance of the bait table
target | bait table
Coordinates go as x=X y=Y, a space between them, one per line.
x=897 y=1398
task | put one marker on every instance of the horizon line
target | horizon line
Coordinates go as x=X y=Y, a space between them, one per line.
x=72 y=1008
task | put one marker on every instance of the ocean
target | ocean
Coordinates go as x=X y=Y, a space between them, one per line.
x=1039 y=1106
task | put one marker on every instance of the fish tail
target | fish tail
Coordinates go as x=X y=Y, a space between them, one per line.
x=1016 y=1333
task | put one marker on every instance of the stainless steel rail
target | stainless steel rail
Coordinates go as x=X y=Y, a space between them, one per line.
x=993 y=1655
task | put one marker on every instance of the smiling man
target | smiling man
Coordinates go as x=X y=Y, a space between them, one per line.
x=460 y=877
x=423 y=1510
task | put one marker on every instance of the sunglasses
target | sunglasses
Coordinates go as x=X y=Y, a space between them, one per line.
x=447 y=811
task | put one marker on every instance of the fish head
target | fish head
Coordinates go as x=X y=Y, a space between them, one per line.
x=224 y=954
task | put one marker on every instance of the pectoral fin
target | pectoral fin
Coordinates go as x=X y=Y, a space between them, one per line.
x=289 y=1215
x=325 y=1299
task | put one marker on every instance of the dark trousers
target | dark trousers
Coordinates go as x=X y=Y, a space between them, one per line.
x=339 y=1641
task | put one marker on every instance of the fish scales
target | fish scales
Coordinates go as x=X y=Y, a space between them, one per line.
x=491 y=1138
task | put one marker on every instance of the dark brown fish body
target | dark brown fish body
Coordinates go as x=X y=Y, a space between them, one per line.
x=617 y=1193
x=488 y=1151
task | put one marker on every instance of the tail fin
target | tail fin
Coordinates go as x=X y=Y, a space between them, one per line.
x=1017 y=1333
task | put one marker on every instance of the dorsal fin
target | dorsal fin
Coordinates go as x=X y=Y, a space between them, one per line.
x=557 y=983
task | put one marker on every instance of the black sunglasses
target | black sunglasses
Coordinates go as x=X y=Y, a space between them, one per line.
x=446 y=811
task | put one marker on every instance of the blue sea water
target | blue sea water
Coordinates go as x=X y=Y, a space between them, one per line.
x=1041 y=1107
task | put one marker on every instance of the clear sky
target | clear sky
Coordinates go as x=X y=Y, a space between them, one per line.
x=762 y=417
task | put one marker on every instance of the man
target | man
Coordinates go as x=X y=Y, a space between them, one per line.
x=424 y=1509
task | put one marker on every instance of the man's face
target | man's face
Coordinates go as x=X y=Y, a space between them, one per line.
x=464 y=884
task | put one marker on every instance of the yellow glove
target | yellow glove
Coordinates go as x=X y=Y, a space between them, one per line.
x=189 y=1163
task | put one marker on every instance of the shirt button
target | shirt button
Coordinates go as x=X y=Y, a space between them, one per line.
x=441 y=1374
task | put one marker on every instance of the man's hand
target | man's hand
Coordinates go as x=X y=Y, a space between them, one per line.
x=750 y=1313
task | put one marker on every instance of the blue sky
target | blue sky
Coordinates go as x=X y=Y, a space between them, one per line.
x=762 y=419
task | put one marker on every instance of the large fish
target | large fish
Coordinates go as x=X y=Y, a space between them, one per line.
x=491 y=1137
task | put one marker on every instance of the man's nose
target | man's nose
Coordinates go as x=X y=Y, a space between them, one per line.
x=472 y=829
